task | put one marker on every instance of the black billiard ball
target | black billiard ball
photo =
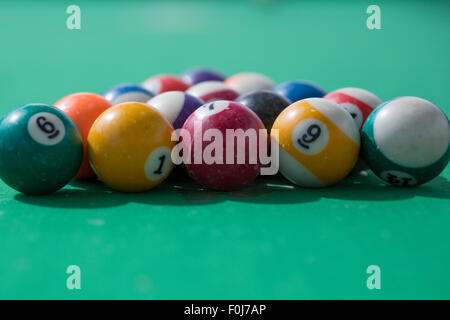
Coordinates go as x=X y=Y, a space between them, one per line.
x=266 y=104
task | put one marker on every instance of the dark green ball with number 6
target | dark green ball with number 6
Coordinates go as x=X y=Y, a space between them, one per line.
x=40 y=149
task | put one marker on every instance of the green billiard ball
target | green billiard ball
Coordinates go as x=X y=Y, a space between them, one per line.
x=40 y=149
x=405 y=141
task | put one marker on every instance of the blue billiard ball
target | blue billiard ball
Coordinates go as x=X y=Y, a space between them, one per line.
x=127 y=92
x=299 y=90
x=40 y=149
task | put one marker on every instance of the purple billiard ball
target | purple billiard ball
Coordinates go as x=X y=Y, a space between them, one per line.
x=176 y=106
x=195 y=76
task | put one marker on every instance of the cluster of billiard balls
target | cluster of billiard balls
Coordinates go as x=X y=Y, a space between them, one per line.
x=124 y=137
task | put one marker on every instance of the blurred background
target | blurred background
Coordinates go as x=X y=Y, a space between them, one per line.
x=127 y=41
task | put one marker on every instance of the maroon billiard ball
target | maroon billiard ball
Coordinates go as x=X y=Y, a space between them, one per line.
x=164 y=83
x=212 y=90
x=223 y=147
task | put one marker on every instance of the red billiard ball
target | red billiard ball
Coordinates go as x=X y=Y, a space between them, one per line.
x=358 y=102
x=212 y=90
x=163 y=83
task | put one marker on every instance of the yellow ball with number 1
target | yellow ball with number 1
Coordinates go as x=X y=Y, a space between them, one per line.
x=129 y=147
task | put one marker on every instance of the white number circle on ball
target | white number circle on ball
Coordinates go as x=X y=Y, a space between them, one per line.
x=354 y=112
x=46 y=128
x=211 y=108
x=158 y=163
x=310 y=136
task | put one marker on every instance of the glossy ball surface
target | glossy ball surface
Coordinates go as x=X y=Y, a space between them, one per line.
x=129 y=147
x=127 y=92
x=83 y=108
x=40 y=149
x=266 y=104
x=318 y=140
x=163 y=83
x=195 y=76
x=405 y=141
x=298 y=90
x=249 y=81
x=212 y=90
x=175 y=106
x=358 y=102
x=220 y=116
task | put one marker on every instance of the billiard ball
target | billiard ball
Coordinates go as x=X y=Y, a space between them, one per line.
x=40 y=149
x=129 y=147
x=195 y=76
x=318 y=142
x=227 y=167
x=266 y=104
x=175 y=106
x=358 y=102
x=83 y=108
x=212 y=90
x=249 y=81
x=127 y=92
x=163 y=83
x=298 y=90
x=405 y=141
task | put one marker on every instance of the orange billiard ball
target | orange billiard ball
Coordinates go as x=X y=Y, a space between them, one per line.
x=83 y=108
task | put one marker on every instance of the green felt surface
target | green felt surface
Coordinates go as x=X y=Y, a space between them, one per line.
x=267 y=241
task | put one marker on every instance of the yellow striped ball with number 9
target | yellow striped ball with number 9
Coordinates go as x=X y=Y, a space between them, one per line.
x=318 y=140
x=129 y=147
